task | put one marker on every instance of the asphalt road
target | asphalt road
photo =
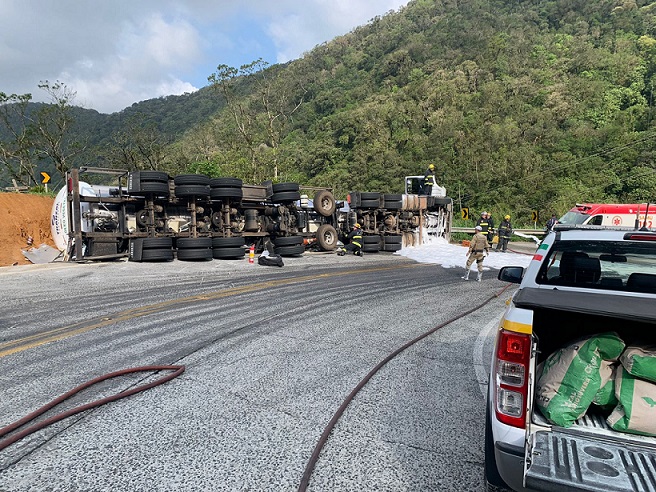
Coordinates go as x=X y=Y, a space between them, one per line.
x=270 y=355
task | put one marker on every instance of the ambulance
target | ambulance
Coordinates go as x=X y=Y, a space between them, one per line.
x=611 y=215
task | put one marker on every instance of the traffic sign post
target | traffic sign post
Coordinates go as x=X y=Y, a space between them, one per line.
x=535 y=217
x=45 y=180
x=465 y=213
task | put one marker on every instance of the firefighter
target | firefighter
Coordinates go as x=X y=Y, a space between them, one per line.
x=355 y=242
x=429 y=180
x=478 y=250
x=505 y=231
x=486 y=227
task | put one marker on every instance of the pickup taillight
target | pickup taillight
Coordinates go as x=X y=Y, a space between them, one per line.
x=513 y=356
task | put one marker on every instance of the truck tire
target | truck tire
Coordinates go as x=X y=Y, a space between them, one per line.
x=369 y=203
x=289 y=250
x=493 y=481
x=184 y=191
x=157 y=243
x=193 y=254
x=193 y=243
x=228 y=242
x=392 y=247
x=327 y=237
x=285 y=196
x=393 y=239
x=157 y=176
x=226 y=183
x=283 y=187
x=191 y=179
x=392 y=202
x=228 y=253
x=371 y=239
x=324 y=203
x=288 y=241
x=371 y=248
x=224 y=192
x=157 y=255
x=365 y=195
x=154 y=187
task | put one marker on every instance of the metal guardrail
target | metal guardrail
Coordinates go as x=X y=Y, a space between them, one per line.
x=470 y=230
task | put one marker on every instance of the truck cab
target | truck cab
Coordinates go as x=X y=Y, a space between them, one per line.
x=580 y=283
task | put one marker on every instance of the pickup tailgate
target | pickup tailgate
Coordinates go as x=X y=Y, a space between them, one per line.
x=565 y=461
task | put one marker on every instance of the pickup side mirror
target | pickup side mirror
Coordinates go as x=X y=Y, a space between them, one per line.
x=512 y=274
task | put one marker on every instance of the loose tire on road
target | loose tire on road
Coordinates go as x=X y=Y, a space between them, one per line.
x=327 y=237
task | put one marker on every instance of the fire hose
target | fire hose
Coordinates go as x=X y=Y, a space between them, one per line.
x=176 y=371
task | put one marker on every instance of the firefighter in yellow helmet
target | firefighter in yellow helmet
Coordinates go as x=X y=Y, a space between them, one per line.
x=355 y=242
x=429 y=180
x=505 y=231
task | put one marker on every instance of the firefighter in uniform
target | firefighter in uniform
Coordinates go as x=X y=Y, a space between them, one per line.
x=429 y=180
x=505 y=231
x=478 y=249
x=484 y=223
x=355 y=242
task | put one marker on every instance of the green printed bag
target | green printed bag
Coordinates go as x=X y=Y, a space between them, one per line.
x=605 y=397
x=640 y=361
x=636 y=411
x=572 y=377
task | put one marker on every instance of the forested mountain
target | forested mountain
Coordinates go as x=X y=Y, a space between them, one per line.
x=521 y=105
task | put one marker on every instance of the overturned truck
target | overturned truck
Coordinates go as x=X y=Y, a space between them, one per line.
x=151 y=216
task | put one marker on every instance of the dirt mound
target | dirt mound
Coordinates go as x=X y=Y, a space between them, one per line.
x=22 y=216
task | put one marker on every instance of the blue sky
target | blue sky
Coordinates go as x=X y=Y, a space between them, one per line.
x=114 y=53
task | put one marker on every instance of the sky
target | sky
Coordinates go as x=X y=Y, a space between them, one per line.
x=115 y=53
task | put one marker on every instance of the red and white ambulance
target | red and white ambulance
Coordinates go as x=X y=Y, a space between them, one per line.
x=611 y=215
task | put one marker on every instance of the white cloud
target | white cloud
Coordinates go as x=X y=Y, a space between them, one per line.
x=116 y=53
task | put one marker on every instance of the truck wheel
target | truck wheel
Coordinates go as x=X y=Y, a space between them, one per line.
x=183 y=191
x=219 y=193
x=288 y=241
x=160 y=176
x=369 y=203
x=365 y=195
x=371 y=239
x=193 y=254
x=228 y=253
x=393 y=239
x=157 y=243
x=194 y=243
x=154 y=187
x=289 y=250
x=283 y=187
x=157 y=255
x=324 y=203
x=371 y=248
x=392 y=247
x=227 y=242
x=285 y=196
x=393 y=201
x=191 y=179
x=226 y=183
x=493 y=481
x=327 y=237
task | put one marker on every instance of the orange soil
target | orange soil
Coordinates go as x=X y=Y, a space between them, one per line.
x=23 y=215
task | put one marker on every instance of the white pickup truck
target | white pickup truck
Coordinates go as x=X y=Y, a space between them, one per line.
x=581 y=282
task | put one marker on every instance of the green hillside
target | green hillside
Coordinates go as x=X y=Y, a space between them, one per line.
x=521 y=105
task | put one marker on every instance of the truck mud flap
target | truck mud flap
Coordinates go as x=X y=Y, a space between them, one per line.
x=565 y=461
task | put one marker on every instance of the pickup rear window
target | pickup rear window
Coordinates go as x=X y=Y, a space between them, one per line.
x=628 y=266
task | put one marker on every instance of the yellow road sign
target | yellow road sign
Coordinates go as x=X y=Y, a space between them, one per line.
x=465 y=213
x=46 y=177
x=535 y=216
